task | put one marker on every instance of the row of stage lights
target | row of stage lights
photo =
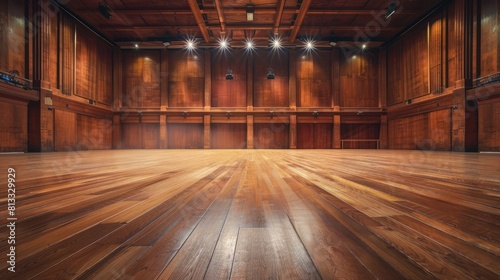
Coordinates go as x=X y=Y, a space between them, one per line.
x=224 y=44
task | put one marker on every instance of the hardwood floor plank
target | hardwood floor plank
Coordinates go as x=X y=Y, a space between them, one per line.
x=221 y=214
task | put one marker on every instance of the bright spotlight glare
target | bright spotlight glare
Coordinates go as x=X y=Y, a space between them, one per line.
x=190 y=44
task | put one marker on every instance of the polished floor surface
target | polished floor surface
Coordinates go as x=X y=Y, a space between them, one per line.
x=253 y=214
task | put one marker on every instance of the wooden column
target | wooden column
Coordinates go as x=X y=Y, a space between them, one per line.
x=117 y=132
x=292 y=82
x=41 y=132
x=206 y=132
x=336 y=132
x=249 y=84
x=164 y=99
x=335 y=80
x=208 y=82
x=382 y=79
x=293 y=132
x=249 y=131
x=383 y=133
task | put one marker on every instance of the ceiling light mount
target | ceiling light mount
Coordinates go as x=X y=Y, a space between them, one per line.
x=104 y=10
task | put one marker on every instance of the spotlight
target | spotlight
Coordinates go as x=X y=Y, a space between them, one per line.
x=104 y=10
x=275 y=43
x=249 y=45
x=136 y=45
x=309 y=45
x=224 y=44
x=270 y=74
x=190 y=44
x=364 y=46
x=229 y=74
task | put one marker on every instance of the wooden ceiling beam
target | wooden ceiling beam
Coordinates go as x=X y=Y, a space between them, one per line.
x=279 y=14
x=238 y=10
x=300 y=18
x=234 y=27
x=199 y=19
x=220 y=15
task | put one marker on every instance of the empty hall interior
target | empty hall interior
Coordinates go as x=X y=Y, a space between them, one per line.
x=250 y=139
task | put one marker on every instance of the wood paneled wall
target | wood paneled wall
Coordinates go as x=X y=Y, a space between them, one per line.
x=185 y=136
x=271 y=92
x=314 y=79
x=229 y=93
x=489 y=125
x=14 y=126
x=314 y=135
x=141 y=78
x=489 y=38
x=358 y=80
x=271 y=135
x=13 y=37
x=75 y=132
x=228 y=136
x=186 y=79
x=427 y=131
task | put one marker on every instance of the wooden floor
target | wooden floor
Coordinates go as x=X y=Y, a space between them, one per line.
x=254 y=214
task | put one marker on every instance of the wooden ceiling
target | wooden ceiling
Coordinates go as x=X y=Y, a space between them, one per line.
x=150 y=22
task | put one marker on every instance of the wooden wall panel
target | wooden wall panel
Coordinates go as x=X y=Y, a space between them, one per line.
x=94 y=67
x=358 y=80
x=151 y=135
x=12 y=37
x=314 y=135
x=489 y=126
x=141 y=78
x=271 y=93
x=65 y=130
x=360 y=134
x=94 y=133
x=271 y=136
x=314 y=79
x=452 y=47
x=67 y=55
x=131 y=136
x=436 y=38
x=186 y=79
x=228 y=136
x=185 y=136
x=13 y=126
x=489 y=52
x=395 y=74
x=416 y=67
x=428 y=131
x=228 y=93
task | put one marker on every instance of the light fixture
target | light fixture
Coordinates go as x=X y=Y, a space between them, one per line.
x=250 y=11
x=249 y=45
x=136 y=45
x=391 y=9
x=315 y=114
x=224 y=44
x=166 y=43
x=270 y=74
x=229 y=74
x=104 y=10
x=309 y=45
x=190 y=44
x=364 y=46
x=333 y=43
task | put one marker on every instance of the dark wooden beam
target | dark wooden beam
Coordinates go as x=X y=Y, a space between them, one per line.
x=199 y=19
x=220 y=15
x=279 y=14
x=300 y=18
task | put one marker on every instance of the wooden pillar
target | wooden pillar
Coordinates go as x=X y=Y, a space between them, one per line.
x=249 y=83
x=293 y=132
x=163 y=132
x=292 y=82
x=249 y=131
x=463 y=129
x=164 y=80
x=42 y=130
x=117 y=132
x=383 y=138
x=336 y=132
x=335 y=80
x=206 y=132
x=208 y=81
x=382 y=79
